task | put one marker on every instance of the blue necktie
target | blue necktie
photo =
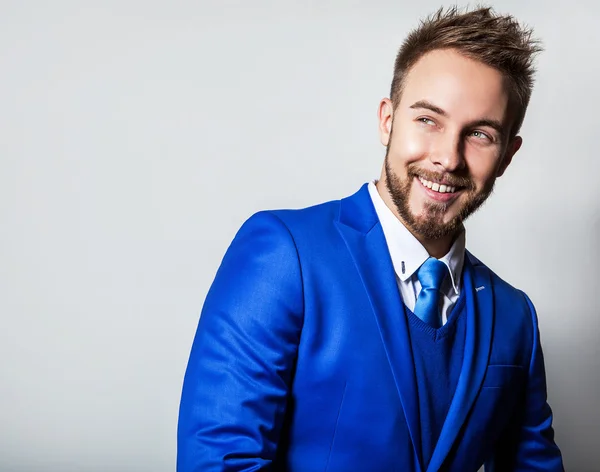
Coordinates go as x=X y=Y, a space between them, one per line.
x=431 y=275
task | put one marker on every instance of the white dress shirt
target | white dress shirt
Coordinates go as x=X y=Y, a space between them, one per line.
x=408 y=254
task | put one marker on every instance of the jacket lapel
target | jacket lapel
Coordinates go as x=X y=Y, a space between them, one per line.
x=480 y=319
x=362 y=233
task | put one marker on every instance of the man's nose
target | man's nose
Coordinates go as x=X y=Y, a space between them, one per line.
x=449 y=153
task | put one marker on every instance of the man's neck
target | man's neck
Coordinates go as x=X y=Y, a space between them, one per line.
x=437 y=248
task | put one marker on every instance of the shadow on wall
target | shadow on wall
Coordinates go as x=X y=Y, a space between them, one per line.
x=573 y=355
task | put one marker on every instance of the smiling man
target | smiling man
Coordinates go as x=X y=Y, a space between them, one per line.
x=359 y=334
x=453 y=138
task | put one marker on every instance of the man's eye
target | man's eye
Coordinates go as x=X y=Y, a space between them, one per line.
x=480 y=135
x=426 y=121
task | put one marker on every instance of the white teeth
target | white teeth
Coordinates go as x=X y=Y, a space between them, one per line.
x=437 y=187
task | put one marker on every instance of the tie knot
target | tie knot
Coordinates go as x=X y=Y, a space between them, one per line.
x=432 y=273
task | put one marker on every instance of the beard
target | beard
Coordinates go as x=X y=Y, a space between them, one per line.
x=430 y=223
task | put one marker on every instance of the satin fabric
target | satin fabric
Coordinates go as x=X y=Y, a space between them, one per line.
x=430 y=274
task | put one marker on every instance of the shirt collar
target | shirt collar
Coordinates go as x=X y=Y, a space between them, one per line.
x=406 y=252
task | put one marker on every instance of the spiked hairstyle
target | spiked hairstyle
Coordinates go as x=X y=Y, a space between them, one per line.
x=495 y=40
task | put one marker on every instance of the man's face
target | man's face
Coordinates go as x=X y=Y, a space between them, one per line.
x=447 y=141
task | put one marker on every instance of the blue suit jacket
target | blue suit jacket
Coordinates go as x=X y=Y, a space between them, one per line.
x=302 y=360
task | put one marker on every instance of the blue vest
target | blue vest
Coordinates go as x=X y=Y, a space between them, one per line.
x=438 y=356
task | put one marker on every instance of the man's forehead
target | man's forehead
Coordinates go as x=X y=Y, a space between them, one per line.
x=456 y=84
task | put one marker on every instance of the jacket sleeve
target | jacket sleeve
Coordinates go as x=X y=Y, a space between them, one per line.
x=238 y=376
x=535 y=449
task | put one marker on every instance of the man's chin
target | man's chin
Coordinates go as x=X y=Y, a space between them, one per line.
x=434 y=213
x=437 y=226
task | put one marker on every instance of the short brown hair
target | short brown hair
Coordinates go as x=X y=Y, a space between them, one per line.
x=497 y=41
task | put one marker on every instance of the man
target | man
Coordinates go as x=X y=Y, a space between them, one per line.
x=359 y=335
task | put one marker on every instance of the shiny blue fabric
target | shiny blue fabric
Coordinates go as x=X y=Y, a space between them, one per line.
x=431 y=275
x=302 y=360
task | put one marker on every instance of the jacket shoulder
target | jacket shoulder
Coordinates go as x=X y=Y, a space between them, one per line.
x=515 y=315
x=313 y=216
x=501 y=286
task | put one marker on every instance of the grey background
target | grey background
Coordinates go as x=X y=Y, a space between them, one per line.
x=135 y=138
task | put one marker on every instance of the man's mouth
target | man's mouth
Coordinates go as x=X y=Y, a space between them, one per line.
x=437 y=187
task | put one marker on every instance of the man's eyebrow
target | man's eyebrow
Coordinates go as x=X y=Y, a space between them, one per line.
x=429 y=106
x=494 y=124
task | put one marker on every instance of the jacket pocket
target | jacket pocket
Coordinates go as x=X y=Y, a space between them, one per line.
x=499 y=376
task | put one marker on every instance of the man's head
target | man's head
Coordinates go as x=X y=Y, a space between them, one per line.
x=462 y=83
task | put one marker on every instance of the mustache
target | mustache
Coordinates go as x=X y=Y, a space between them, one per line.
x=449 y=178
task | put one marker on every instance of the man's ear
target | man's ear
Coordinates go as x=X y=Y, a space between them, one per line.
x=385 y=114
x=511 y=150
